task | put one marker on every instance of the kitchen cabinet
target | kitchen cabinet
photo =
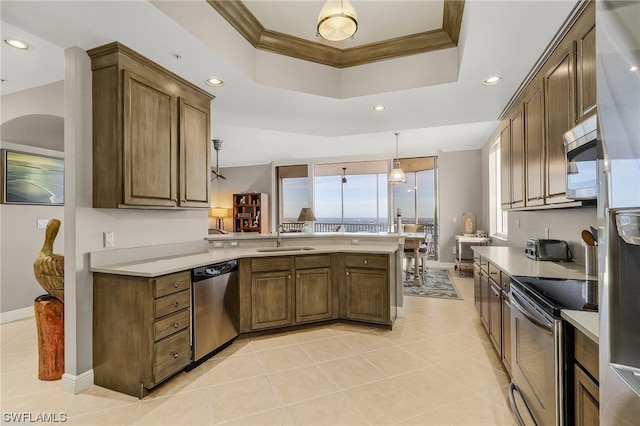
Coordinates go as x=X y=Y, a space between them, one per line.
x=506 y=320
x=251 y=213
x=586 y=377
x=151 y=146
x=286 y=290
x=585 y=36
x=559 y=93
x=314 y=292
x=367 y=290
x=534 y=144
x=559 y=83
x=476 y=285
x=485 y=293
x=495 y=309
x=141 y=330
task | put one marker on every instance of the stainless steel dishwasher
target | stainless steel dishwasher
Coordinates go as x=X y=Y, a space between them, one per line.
x=215 y=308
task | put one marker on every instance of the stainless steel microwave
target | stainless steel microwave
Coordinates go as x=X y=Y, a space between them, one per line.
x=580 y=145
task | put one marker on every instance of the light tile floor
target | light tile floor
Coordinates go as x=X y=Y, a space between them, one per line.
x=436 y=367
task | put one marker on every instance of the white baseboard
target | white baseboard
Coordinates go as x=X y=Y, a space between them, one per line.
x=76 y=384
x=17 y=314
x=400 y=311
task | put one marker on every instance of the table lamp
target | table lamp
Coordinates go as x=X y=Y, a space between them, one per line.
x=306 y=215
x=219 y=213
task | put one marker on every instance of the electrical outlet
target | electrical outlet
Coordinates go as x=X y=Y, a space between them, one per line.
x=455 y=219
x=355 y=241
x=546 y=233
x=108 y=240
x=454 y=249
x=517 y=223
x=217 y=243
x=42 y=223
x=234 y=244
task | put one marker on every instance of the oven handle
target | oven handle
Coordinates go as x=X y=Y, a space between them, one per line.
x=547 y=328
x=512 y=400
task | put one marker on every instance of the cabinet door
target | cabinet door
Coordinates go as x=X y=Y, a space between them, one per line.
x=517 y=159
x=495 y=317
x=476 y=286
x=587 y=399
x=534 y=145
x=560 y=117
x=367 y=295
x=271 y=299
x=505 y=167
x=195 y=154
x=313 y=294
x=506 y=331
x=484 y=299
x=150 y=143
x=586 y=63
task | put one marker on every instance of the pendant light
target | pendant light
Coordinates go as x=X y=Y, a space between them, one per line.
x=337 y=20
x=397 y=174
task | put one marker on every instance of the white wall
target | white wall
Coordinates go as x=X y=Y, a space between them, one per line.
x=460 y=190
x=21 y=239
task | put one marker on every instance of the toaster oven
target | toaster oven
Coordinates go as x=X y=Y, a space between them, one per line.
x=546 y=249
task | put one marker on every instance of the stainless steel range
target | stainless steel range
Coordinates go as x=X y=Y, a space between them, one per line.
x=537 y=342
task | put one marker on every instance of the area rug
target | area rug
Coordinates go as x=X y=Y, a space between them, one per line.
x=437 y=283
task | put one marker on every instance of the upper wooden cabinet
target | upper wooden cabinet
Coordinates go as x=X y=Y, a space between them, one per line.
x=151 y=146
x=560 y=92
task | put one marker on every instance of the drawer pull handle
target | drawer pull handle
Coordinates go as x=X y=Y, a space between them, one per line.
x=175 y=354
x=176 y=325
x=493 y=273
x=175 y=304
x=176 y=284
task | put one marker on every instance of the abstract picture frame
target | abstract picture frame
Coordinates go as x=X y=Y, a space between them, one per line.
x=33 y=179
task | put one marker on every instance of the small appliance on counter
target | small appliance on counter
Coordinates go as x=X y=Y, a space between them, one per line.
x=546 y=249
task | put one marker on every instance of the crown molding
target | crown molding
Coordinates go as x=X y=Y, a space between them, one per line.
x=239 y=16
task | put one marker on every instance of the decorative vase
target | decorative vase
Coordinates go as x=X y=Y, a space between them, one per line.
x=468 y=224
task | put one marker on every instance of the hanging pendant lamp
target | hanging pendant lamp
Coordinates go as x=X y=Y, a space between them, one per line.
x=337 y=20
x=397 y=174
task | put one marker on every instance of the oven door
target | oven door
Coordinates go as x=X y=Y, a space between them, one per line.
x=536 y=354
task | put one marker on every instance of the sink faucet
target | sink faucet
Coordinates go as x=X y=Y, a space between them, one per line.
x=279 y=228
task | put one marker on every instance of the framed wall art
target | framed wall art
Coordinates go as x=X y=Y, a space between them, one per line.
x=32 y=178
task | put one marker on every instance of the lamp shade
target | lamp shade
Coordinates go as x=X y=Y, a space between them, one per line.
x=306 y=215
x=337 y=20
x=397 y=174
x=218 y=212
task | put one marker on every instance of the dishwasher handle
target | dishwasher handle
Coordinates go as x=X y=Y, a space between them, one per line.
x=215 y=270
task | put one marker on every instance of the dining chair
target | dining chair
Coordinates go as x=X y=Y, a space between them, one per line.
x=415 y=250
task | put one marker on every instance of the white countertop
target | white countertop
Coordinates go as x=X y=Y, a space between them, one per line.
x=587 y=322
x=513 y=261
x=154 y=261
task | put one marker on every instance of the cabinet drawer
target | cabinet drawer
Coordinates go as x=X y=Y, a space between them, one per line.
x=172 y=303
x=172 y=283
x=170 y=324
x=276 y=263
x=586 y=353
x=505 y=281
x=484 y=264
x=366 y=261
x=494 y=273
x=313 y=261
x=171 y=355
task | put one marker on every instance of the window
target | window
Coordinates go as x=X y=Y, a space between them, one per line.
x=351 y=194
x=294 y=191
x=417 y=198
x=497 y=216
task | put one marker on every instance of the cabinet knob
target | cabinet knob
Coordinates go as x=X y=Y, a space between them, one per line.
x=289 y=276
x=175 y=354
x=366 y=261
x=347 y=272
x=176 y=325
x=175 y=304
x=298 y=276
x=176 y=284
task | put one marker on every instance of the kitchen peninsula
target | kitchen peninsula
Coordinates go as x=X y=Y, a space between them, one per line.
x=142 y=295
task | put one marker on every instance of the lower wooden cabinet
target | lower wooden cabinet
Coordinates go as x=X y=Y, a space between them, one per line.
x=281 y=291
x=141 y=330
x=495 y=317
x=586 y=397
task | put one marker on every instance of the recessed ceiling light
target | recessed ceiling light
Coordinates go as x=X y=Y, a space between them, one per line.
x=379 y=108
x=633 y=68
x=18 y=44
x=492 y=80
x=214 y=82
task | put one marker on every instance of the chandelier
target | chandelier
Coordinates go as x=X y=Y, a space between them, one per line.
x=397 y=174
x=337 y=20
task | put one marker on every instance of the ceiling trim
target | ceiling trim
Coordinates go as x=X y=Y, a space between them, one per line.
x=239 y=16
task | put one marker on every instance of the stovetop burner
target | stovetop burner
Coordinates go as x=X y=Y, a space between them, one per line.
x=554 y=294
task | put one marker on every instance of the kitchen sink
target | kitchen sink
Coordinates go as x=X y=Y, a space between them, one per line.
x=277 y=249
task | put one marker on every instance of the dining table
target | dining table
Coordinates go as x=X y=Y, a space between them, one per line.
x=414 y=240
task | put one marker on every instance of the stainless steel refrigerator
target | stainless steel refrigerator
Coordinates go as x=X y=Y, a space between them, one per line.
x=618 y=94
